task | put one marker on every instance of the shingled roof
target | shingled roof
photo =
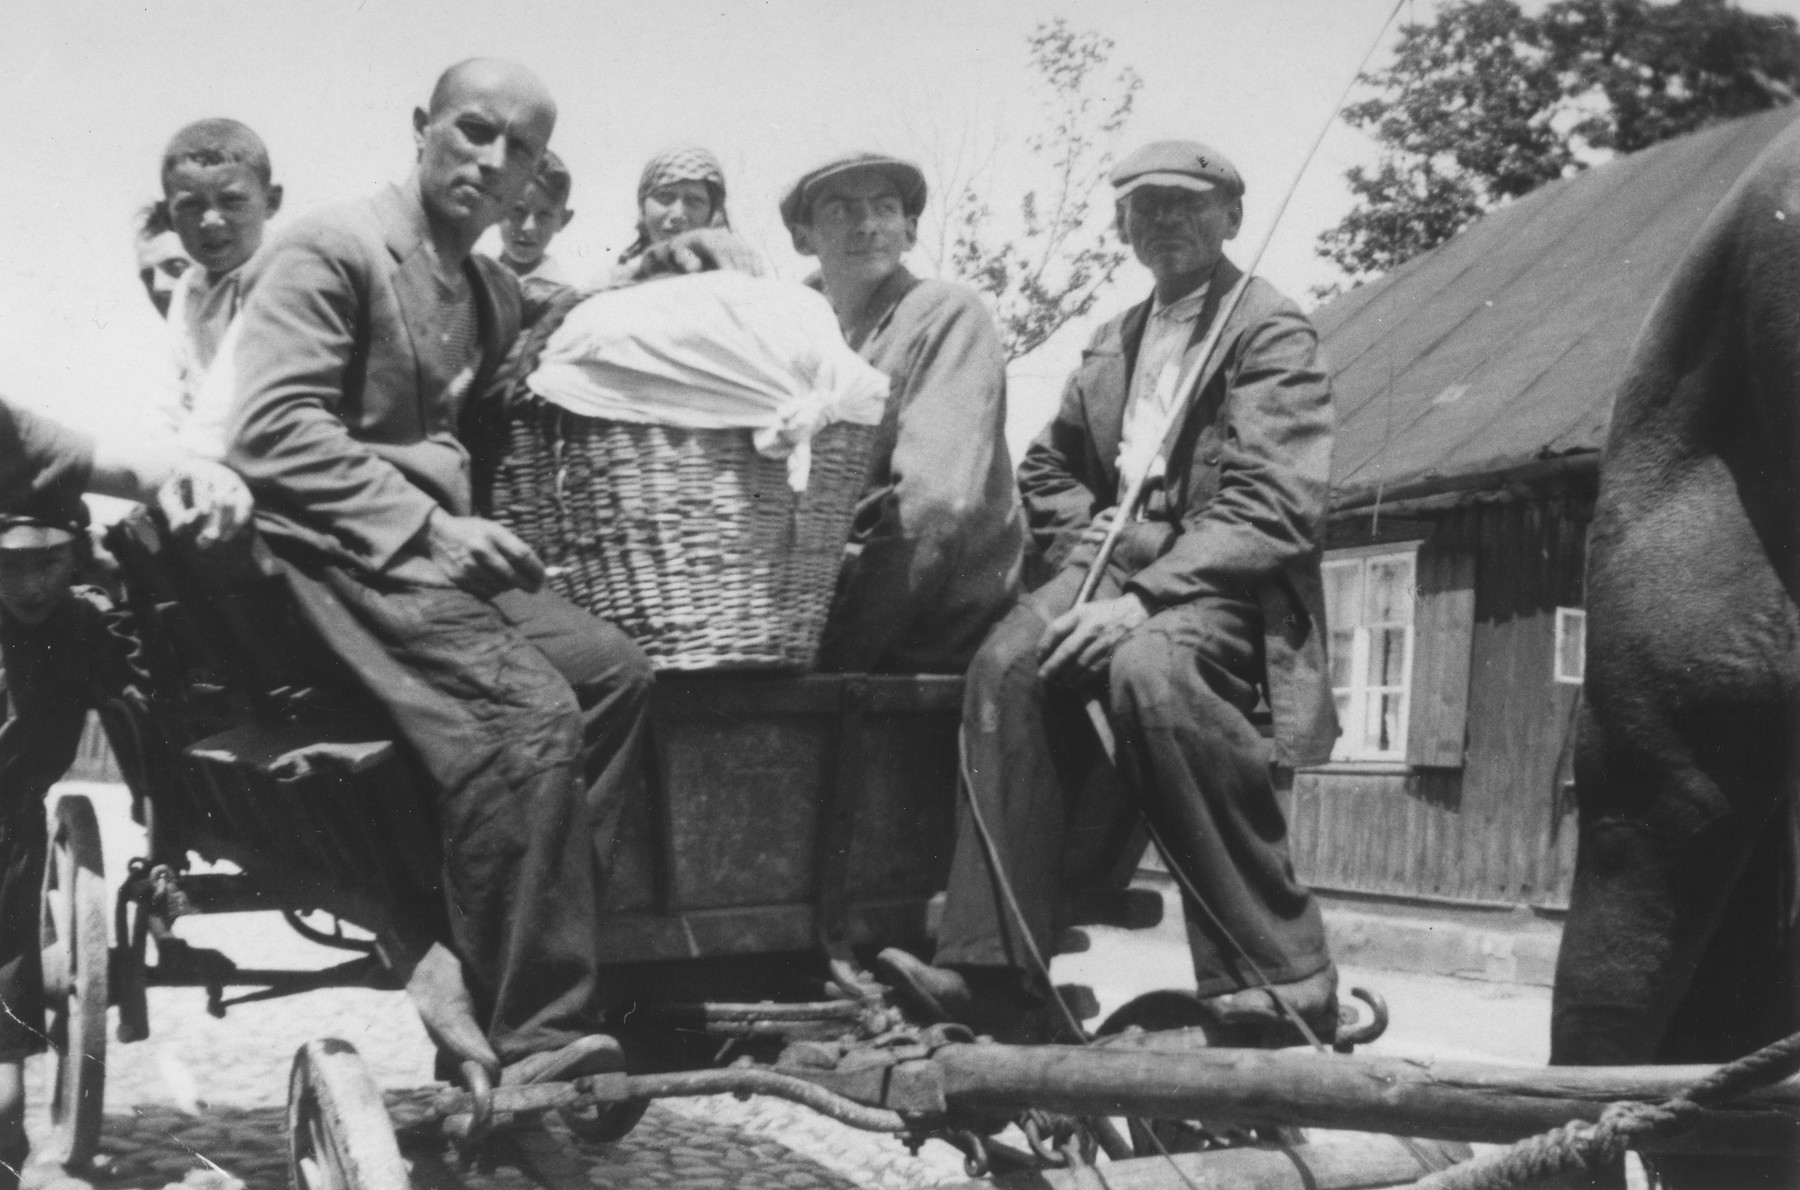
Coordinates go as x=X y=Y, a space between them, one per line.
x=1502 y=347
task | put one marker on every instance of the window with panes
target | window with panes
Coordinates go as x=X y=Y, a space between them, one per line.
x=1370 y=596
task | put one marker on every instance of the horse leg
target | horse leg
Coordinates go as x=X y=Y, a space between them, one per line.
x=1678 y=914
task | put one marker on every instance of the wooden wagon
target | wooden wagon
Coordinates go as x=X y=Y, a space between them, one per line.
x=798 y=822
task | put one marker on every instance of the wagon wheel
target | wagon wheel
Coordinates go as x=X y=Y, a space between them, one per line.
x=339 y=1134
x=1154 y=1012
x=74 y=937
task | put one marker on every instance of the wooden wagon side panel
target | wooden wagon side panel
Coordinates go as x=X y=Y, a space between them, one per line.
x=784 y=806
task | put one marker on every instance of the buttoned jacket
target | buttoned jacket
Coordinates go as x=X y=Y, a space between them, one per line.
x=341 y=422
x=1241 y=509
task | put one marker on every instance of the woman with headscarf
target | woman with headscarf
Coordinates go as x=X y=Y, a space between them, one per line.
x=681 y=189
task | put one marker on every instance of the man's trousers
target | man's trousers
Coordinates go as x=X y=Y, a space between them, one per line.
x=1180 y=691
x=528 y=718
x=52 y=677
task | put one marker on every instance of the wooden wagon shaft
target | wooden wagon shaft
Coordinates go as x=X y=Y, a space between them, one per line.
x=1463 y=1101
x=1449 y=1100
x=1329 y=1161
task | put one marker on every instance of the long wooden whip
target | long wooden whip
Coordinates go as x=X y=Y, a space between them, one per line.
x=1189 y=382
x=1128 y=507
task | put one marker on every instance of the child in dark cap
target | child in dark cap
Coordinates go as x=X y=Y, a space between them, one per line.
x=62 y=653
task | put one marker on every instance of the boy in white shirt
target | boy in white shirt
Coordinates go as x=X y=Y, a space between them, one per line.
x=528 y=226
x=217 y=183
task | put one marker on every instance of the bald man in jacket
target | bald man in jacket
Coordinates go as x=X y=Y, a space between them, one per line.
x=362 y=364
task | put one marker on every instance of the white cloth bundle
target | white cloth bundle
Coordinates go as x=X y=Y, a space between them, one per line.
x=712 y=351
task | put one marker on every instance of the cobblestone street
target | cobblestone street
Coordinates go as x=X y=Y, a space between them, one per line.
x=202 y=1099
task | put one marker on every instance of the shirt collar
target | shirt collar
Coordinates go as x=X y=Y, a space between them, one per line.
x=877 y=309
x=1183 y=309
x=206 y=281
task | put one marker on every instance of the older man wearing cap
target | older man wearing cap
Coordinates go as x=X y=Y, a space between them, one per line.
x=937 y=537
x=1211 y=601
x=61 y=655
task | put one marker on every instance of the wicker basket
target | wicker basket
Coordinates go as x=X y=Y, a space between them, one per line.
x=688 y=540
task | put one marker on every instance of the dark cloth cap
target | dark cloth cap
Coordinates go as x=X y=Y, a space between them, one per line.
x=907 y=178
x=1186 y=164
x=30 y=533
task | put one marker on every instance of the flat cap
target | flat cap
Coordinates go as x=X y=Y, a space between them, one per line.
x=30 y=533
x=907 y=178
x=1186 y=164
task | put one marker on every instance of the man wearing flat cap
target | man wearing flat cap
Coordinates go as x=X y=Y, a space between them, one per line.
x=1211 y=604
x=937 y=536
x=62 y=654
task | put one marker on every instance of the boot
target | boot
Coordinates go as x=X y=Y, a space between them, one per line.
x=991 y=1001
x=1313 y=998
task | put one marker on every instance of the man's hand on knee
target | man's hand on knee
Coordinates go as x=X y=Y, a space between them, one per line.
x=1097 y=529
x=1078 y=645
x=481 y=557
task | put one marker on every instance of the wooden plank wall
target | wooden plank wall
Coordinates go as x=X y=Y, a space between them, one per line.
x=1501 y=828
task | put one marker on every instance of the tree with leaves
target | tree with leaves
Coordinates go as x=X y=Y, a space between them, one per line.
x=1487 y=103
x=1050 y=265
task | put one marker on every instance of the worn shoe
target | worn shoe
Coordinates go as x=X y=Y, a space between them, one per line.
x=1313 y=998
x=597 y=1053
x=934 y=994
x=991 y=1001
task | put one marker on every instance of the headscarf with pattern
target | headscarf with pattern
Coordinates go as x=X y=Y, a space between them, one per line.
x=681 y=163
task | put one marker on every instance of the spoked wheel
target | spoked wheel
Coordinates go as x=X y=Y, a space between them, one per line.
x=73 y=933
x=339 y=1134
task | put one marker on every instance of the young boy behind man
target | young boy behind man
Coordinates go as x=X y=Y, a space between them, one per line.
x=528 y=226
x=160 y=257
x=220 y=192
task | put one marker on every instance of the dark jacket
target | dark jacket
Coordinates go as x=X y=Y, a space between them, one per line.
x=340 y=425
x=1242 y=510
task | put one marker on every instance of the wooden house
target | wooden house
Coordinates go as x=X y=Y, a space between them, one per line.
x=1473 y=387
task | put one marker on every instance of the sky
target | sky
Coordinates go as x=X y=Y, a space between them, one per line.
x=93 y=89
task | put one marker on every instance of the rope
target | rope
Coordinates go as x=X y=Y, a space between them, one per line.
x=1263 y=982
x=1129 y=508
x=1581 y=1147
x=991 y=850
x=989 y=846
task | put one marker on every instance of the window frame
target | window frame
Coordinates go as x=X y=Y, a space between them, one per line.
x=1354 y=717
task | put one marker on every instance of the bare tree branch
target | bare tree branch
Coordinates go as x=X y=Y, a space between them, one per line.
x=1049 y=266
